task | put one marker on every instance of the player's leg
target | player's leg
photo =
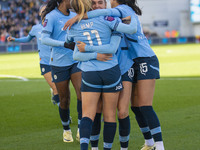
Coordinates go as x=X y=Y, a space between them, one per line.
x=135 y=107
x=46 y=72
x=145 y=95
x=55 y=97
x=64 y=111
x=123 y=114
x=112 y=86
x=148 y=72
x=142 y=122
x=76 y=82
x=89 y=107
x=90 y=93
x=96 y=127
x=61 y=76
x=48 y=78
x=110 y=101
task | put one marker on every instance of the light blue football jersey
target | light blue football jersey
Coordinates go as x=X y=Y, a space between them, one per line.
x=138 y=43
x=53 y=25
x=44 y=50
x=95 y=31
x=124 y=57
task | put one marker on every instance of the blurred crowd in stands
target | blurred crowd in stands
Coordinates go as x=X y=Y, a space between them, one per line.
x=18 y=18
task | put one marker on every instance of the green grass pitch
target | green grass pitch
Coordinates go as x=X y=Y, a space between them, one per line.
x=28 y=120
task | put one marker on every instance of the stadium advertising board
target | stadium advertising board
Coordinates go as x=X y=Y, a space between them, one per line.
x=195 y=11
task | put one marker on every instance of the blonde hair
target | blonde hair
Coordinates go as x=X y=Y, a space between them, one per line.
x=81 y=7
x=42 y=8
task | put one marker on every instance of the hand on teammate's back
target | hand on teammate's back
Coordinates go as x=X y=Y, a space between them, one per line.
x=73 y=20
x=81 y=46
x=126 y=20
x=69 y=45
x=70 y=22
x=104 y=57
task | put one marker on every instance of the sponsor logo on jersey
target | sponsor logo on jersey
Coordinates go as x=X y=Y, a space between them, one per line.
x=118 y=87
x=45 y=23
x=131 y=73
x=109 y=18
x=43 y=69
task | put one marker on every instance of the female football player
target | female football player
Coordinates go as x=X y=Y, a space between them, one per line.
x=64 y=68
x=146 y=71
x=97 y=77
x=44 y=54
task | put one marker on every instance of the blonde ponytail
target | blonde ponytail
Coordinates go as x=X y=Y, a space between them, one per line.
x=81 y=7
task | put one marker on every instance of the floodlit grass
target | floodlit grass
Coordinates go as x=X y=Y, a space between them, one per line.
x=21 y=64
x=179 y=60
x=28 y=120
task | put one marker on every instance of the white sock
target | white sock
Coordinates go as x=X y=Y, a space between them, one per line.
x=160 y=145
x=94 y=148
x=124 y=148
x=149 y=142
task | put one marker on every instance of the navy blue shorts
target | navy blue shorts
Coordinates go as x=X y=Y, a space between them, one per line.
x=146 y=68
x=45 y=69
x=63 y=73
x=102 y=81
x=128 y=76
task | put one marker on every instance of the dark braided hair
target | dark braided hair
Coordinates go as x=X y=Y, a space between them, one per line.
x=132 y=4
x=51 y=5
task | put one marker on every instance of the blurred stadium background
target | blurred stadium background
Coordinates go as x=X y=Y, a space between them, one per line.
x=164 y=21
x=28 y=120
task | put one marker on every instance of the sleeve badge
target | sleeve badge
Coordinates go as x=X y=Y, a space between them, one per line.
x=45 y=23
x=109 y=18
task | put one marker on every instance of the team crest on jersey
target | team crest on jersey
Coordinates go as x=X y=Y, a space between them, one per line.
x=109 y=18
x=45 y=22
x=43 y=69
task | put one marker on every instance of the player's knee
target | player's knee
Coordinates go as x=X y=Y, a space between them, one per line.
x=122 y=114
x=64 y=105
x=78 y=94
x=79 y=97
x=109 y=118
x=65 y=102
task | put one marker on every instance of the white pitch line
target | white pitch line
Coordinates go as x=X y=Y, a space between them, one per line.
x=41 y=80
x=16 y=77
x=29 y=80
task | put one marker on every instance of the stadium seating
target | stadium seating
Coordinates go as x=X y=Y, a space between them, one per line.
x=17 y=18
